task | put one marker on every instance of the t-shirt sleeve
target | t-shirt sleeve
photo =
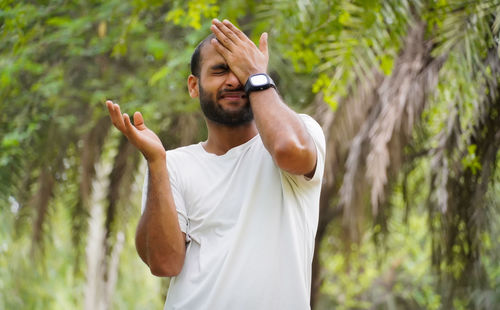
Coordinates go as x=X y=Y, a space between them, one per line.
x=176 y=193
x=316 y=133
x=318 y=136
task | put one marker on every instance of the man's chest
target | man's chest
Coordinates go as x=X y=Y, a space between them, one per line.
x=215 y=192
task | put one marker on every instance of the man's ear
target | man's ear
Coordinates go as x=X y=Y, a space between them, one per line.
x=192 y=83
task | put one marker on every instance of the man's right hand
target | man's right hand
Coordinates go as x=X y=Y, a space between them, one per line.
x=159 y=240
x=138 y=134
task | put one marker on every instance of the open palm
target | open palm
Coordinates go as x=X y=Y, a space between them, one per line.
x=138 y=134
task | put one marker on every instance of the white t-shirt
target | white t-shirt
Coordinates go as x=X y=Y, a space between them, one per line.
x=250 y=227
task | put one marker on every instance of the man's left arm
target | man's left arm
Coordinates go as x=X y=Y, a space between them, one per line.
x=282 y=131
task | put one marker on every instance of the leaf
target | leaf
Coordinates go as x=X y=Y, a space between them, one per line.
x=158 y=75
x=59 y=21
x=386 y=64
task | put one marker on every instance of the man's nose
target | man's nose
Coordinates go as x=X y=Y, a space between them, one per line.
x=232 y=80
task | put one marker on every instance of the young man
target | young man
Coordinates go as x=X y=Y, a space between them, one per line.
x=232 y=218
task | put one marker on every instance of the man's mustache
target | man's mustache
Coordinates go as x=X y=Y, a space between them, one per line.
x=228 y=92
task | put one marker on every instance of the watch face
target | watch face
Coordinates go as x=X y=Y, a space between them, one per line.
x=259 y=80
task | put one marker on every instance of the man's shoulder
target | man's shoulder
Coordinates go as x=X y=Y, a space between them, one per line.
x=184 y=153
x=314 y=128
x=308 y=119
x=192 y=148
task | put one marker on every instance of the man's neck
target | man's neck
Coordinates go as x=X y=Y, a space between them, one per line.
x=222 y=138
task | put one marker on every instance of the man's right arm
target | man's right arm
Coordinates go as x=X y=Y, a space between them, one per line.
x=159 y=240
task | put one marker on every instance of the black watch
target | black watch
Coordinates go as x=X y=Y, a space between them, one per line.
x=259 y=81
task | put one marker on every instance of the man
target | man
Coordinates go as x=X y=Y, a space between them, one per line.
x=232 y=218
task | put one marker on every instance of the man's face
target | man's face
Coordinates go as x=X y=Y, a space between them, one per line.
x=222 y=97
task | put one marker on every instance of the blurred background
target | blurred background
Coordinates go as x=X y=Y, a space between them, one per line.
x=407 y=92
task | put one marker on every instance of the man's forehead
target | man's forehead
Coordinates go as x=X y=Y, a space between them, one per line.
x=209 y=56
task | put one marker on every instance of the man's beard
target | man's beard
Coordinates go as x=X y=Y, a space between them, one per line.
x=214 y=112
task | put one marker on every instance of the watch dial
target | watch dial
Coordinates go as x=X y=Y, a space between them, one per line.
x=259 y=80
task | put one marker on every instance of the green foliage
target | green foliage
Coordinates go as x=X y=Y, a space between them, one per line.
x=470 y=161
x=339 y=40
x=394 y=275
x=50 y=282
x=191 y=14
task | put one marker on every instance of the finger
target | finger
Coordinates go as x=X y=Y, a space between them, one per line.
x=139 y=121
x=235 y=30
x=115 y=115
x=228 y=31
x=130 y=130
x=109 y=105
x=222 y=38
x=263 y=44
x=220 y=48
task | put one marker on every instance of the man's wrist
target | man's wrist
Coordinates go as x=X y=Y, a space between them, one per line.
x=158 y=161
x=258 y=82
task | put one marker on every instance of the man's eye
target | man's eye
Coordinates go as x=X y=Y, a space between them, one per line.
x=220 y=72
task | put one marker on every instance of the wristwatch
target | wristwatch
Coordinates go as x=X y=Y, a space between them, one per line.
x=259 y=81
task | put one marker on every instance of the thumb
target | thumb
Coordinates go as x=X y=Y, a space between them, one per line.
x=139 y=121
x=263 y=43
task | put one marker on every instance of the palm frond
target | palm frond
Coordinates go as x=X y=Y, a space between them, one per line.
x=377 y=149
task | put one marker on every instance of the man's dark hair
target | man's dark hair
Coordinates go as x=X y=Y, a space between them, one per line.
x=196 y=57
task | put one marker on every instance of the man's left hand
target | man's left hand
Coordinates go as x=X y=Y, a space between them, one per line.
x=243 y=57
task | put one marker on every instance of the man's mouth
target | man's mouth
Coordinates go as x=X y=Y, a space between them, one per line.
x=233 y=95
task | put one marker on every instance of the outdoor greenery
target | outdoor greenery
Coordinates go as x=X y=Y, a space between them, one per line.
x=407 y=92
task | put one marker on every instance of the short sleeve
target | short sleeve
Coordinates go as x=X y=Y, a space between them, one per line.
x=180 y=205
x=318 y=137
x=178 y=200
